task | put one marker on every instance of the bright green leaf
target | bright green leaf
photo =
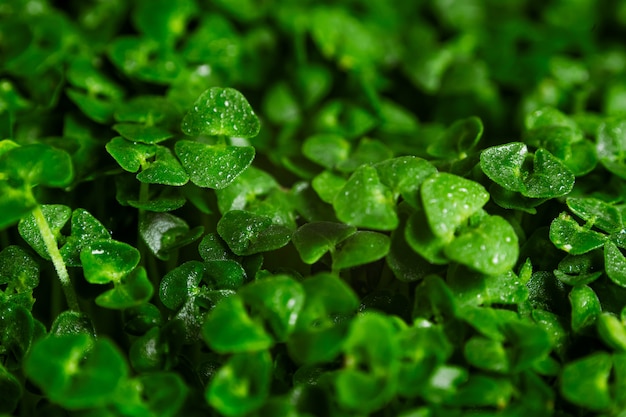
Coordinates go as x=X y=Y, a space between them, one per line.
x=108 y=260
x=221 y=111
x=360 y=248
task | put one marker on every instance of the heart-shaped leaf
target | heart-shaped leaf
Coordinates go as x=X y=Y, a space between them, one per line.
x=458 y=140
x=180 y=284
x=504 y=164
x=491 y=247
x=278 y=300
x=38 y=164
x=361 y=248
x=130 y=156
x=213 y=166
x=585 y=381
x=140 y=133
x=164 y=170
x=228 y=328
x=85 y=230
x=242 y=385
x=449 y=200
x=597 y=212
x=76 y=372
x=135 y=290
x=568 y=235
x=365 y=202
x=247 y=233
x=107 y=261
x=313 y=240
x=221 y=111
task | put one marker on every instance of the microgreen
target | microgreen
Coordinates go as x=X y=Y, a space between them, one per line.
x=335 y=208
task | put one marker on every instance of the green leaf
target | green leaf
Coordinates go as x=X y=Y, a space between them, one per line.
x=164 y=21
x=486 y=354
x=458 y=140
x=615 y=263
x=14 y=204
x=259 y=235
x=423 y=241
x=312 y=240
x=180 y=284
x=508 y=166
x=164 y=170
x=365 y=202
x=17 y=329
x=149 y=135
x=38 y=164
x=505 y=165
x=568 y=235
x=328 y=185
x=100 y=110
x=585 y=381
x=85 y=230
x=108 y=260
x=597 y=213
x=18 y=271
x=368 y=152
x=163 y=233
x=242 y=385
x=280 y=105
x=221 y=111
x=147 y=110
x=320 y=332
x=369 y=379
x=229 y=329
x=491 y=247
x=612 y=331
x=145 y=59
x=11 y=390
x=75 y=372
x=611 y=146
x=56 y=216
x=360 y=248
x=71 y=322
x=449 y=200
x=327 y=150
x=245 y=189
x=404 y=175
x=130 y=156
x=133 y=291
x=213 y=166
x=278 y=300
x=585 y=307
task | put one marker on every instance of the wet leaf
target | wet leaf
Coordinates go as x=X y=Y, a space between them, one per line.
x=221 y=111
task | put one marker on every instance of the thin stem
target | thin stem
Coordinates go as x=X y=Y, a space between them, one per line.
x=59 y=265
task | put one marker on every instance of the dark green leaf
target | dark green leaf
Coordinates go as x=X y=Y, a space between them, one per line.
x=259 y=234
x=458 y=140
x=164 y=233
x=139 y=133
x=327 y=150
x=180 y=284
x=360 y=248
x=18 y=271
x=314 y=239
x=38 y=164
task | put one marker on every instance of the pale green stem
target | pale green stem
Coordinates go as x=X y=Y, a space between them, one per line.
x=59 y=265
